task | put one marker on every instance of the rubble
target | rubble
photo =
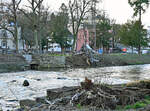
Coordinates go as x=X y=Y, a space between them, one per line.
x=88 y=95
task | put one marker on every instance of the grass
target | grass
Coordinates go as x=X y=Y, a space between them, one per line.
x=129 y=59
x=58 y=54
x=139 y=104
x=79 y=106
x=135 y=106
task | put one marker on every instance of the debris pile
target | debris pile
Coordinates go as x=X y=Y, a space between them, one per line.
x=89 y=95
x=79 y=60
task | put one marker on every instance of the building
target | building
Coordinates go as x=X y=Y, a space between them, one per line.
x=82 y=39
x=7 y=40
x=86 y=35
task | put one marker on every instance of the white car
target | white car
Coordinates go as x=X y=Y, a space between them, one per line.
x=130 y=51
x=54 y=47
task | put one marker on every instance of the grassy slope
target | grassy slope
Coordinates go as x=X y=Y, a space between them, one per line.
x=124 y=59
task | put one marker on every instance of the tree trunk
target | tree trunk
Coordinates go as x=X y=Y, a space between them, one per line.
x=74 y=45
x=140 y=26
x=132 y=49
x=63 y=50
x=113 y=39
x=15 y=22
x=36 y=40
x=16 y=38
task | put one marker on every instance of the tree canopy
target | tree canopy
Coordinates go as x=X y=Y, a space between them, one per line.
x=59 y=27
x=130 y=34
x=139 y=6
x=103 y=30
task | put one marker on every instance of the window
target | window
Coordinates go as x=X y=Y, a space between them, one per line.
x=3 y=33
x=3 y=44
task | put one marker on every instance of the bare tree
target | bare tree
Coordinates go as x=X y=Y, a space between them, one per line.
x=35 y=7
x=10 y=14
x=78 y=10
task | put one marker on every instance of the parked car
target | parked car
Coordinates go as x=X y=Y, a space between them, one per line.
x=54 y=48
x=145 y=51
x=129 y=50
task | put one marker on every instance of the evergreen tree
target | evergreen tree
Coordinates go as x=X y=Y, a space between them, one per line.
x=132 y=35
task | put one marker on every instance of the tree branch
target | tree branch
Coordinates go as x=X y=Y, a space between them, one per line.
x=5 y=28
x=25 y=14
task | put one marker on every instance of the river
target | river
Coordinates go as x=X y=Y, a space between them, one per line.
x=11 y=89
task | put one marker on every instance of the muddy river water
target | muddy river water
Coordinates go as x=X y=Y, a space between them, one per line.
x=11 y=89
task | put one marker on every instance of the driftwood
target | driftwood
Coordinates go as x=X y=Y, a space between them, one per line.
x=99 y=96
x=108 y=97
x=102 y=96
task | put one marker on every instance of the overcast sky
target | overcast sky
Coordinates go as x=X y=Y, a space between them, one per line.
x=116 y=9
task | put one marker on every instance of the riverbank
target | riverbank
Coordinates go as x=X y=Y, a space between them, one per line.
x=133 y=96
x=124 y=59
x=108 y=60
x=12 y=63
x=4 y=68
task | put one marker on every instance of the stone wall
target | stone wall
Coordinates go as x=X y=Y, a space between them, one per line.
x=10 y=63
x=11 y=59
x=49 y=61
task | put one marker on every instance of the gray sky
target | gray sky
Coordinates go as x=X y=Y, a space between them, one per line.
x=121 y=11
x=116 y=9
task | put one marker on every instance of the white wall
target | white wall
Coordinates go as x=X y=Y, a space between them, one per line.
x=10 y=40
